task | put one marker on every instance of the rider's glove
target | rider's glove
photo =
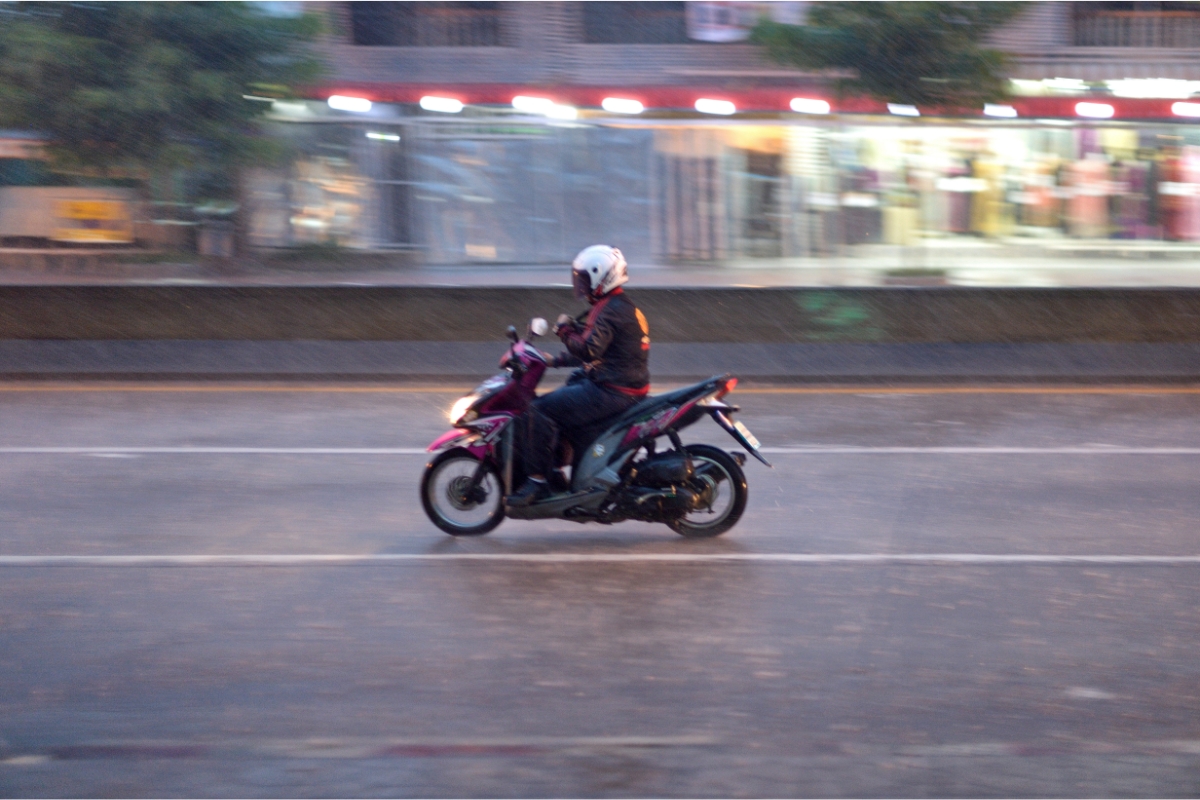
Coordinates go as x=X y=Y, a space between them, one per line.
x=564 y=322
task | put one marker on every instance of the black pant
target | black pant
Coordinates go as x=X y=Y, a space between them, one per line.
x=572 y=406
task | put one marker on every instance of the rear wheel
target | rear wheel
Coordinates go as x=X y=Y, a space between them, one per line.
x=721 y=485
x=449 y=501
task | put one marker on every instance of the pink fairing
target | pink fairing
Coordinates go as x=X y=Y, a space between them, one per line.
x=656 y=424
x=448 y=437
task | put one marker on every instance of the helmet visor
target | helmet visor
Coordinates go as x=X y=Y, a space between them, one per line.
x=581 y=283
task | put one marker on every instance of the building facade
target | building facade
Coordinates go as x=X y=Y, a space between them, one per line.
x=1098 y=143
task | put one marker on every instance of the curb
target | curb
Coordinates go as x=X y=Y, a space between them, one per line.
x=470 y=361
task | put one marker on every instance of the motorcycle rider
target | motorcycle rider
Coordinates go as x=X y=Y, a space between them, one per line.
x=611 y=348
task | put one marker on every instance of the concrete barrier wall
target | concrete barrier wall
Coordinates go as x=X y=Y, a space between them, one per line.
x=469 y=362
x=480 y=314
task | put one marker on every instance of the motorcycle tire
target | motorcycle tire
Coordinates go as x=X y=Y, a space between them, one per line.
x=454 y=514
x=714 y=462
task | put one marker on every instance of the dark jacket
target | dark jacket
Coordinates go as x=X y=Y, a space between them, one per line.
x=612 y=345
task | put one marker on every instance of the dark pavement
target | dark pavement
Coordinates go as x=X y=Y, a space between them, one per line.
x=907 y=608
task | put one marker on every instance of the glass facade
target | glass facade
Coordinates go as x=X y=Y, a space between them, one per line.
x=681 y=191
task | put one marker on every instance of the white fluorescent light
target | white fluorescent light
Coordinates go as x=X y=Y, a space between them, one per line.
x=902 y=110
x=706 y=105
x=620 y=105
x=1185 y=109
x=1167 y=88
x=383 y=137
x=446 y=105
x=993 y=110
x=1094 y=110
x=557 y=111
x=343 y=103
x=805 y=105
x=532 y=105
x=1069 y=84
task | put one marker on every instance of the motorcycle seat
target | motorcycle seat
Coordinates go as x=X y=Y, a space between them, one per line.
x=583 y=436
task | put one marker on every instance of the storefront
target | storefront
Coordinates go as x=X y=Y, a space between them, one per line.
x=507 y=190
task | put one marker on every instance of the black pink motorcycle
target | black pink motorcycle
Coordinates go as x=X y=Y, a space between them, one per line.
x=616 y=470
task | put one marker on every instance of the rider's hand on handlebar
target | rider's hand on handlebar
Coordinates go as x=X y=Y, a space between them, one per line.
x=564 y=321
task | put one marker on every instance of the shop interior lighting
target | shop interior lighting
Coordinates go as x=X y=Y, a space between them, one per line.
x=706 y=105
x=1166 y=88
x=341 y=102
x=1049 y=87
x=995 y=110
x=532 y=105
x=807 y=105
x=557 y=111
x=901 y=110
x=293 y=109
x=383 y=137
x=1185 y=109
x=1094 y=110
x=1065 y=84
x=446 y=105
x=621 y=105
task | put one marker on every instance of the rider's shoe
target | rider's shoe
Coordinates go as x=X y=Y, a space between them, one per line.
x=532 y=491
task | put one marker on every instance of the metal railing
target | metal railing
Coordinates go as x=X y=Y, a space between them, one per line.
x=1138 y=29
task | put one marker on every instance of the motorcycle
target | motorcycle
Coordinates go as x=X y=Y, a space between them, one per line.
x=616 y=470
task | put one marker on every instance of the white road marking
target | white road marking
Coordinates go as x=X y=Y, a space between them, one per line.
x=789 y=450
x=200 y=450
x=384 y=559
x=1087 y=450
x=346 y=747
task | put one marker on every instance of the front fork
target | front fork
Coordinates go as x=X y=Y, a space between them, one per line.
x=506 y=453
x=506 y=461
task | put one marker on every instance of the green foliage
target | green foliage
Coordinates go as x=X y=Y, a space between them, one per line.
x=134 y=88
x=923 y=53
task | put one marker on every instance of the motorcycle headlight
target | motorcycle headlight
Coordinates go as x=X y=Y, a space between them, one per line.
x=461 y=410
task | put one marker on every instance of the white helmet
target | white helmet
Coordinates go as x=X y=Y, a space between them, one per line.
x=597 y=270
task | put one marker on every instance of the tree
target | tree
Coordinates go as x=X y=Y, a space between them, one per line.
x=134 y=88
x=922 y=53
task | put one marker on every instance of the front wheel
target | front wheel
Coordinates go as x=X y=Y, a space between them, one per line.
x=451 y=503
x=721 y=485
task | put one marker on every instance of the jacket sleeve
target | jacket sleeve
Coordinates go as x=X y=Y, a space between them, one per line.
x=565 y=359
x=590 y=344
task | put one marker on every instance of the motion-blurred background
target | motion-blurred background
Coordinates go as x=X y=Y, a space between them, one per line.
x=991 y=143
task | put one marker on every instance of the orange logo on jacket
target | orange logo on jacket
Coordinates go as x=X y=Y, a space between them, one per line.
x=641 y=318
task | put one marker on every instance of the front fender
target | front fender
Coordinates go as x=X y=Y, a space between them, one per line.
x=455 y=437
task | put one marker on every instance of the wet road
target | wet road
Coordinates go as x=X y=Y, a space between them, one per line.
x=934 y=593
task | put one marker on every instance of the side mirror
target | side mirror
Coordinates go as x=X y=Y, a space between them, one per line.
x=511 y=333
x=538 y=326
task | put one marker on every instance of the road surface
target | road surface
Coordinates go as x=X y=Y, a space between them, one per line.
x=230 y=590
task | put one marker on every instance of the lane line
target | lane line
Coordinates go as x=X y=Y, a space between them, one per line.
x=790 y=450
x=234 y=389
x=205 y=450
x=1091 y=450
x=1136 y=389
x=432 y=747
x=886 y=390
x=397 y=559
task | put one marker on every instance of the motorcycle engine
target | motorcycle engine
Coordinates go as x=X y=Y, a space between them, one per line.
x=658 y=504
x=662 y=470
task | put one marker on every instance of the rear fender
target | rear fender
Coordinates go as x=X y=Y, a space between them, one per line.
x=739 y=433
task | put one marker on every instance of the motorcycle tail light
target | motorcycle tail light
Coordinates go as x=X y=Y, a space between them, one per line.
x=729 y=386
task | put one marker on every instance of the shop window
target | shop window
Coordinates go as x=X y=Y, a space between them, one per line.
x=634 y=23
x=1137 y=24
x=387 y=24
